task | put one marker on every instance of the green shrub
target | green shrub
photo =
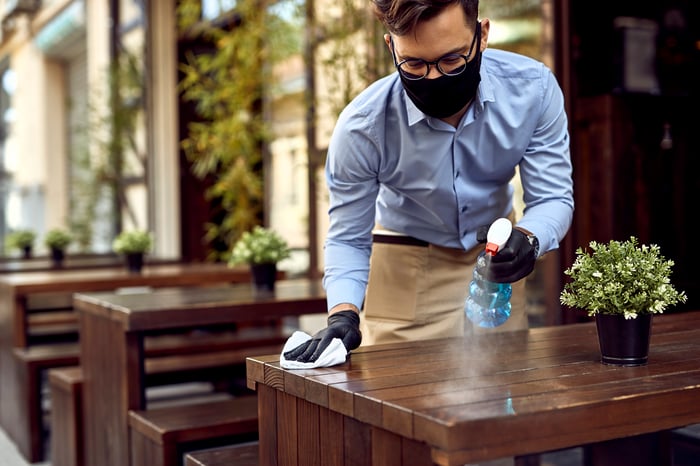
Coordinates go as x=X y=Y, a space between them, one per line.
x=20 y=239
x=58 y=238
x=259 y=246
x=129 y=242
x=620 y=278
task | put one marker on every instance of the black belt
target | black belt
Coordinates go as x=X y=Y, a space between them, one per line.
x=398 y=239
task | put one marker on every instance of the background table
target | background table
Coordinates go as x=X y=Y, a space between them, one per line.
x=113 y=328
x=465 y=400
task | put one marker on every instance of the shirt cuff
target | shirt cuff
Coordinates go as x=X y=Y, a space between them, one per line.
x=345 y=291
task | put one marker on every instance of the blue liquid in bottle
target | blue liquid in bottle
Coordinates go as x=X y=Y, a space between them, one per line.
x=488 y=303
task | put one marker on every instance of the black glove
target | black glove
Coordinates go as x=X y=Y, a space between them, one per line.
x=515 y=260
x=343 y=324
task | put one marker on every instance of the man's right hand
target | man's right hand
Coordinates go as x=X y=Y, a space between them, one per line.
x=343 y=324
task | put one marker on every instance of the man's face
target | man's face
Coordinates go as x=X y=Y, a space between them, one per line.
x=445 y=33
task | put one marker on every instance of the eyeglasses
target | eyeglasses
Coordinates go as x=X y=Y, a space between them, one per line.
x=451 y=64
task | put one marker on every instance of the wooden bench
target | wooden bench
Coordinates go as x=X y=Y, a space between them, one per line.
x=32 y=362
x=245 y=454
x=66 y=391
x=198 y=355
x=160 y=437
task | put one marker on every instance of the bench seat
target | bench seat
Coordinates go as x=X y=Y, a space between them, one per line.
x=24 y=418
x=160 y=437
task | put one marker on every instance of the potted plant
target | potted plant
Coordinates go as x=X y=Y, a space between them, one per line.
x=57 y=240
x=261 y=248
x=133 y=245
x=622 y=284
x=22 y=240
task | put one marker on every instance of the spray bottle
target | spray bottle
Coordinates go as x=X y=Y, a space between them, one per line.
x=488 y=303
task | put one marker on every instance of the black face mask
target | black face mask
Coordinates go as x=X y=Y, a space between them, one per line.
x=444 y=96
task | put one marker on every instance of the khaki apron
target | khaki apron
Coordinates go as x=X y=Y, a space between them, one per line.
x=416 y=291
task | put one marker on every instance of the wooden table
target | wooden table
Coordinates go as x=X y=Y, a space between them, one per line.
x=457 y=401
x=17 y=289
x=113 y=328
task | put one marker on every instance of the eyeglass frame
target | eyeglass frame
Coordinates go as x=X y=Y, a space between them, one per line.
x=436 y=63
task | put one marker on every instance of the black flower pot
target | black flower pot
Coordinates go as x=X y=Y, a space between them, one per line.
x=134 y=262
x=624 y=342
x=57 y=256
x=264 y=276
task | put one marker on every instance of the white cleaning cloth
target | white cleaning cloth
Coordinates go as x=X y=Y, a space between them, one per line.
x=334 y=354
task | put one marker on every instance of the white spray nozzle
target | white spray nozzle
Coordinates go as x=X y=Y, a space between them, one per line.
x=498 y=235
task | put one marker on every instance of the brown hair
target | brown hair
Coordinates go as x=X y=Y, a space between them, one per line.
x=401 y=16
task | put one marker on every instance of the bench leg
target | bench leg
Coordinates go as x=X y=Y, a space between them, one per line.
x=22 y=414
x=67 y=427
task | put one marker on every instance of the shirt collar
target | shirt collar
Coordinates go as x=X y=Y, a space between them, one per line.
x=414 y=115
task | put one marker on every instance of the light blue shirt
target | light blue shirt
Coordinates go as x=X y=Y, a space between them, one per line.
x=391 y=164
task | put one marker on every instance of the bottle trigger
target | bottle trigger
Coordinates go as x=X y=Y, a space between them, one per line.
x=491 y=249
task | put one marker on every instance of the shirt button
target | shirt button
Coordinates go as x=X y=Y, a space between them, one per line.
x=464 y=209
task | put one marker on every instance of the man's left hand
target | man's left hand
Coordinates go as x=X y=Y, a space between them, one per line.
x=515 y=260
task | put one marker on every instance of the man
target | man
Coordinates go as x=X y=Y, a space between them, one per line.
x=424 y=158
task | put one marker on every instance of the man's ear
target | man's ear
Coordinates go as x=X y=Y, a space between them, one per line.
x=485 y=26
x=387 y=39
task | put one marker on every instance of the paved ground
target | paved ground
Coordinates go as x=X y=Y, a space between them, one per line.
x=9 y=456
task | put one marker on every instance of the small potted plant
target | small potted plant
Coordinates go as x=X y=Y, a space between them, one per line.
x=22 y=240
x=261 y=248
x=58 y=240
x=133 y=245
x=622 y=284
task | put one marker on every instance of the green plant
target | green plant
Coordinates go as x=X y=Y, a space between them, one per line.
x=620 y=277
x=58 y=238
x=259 y=246
x=20 y=239
x=134 y=241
